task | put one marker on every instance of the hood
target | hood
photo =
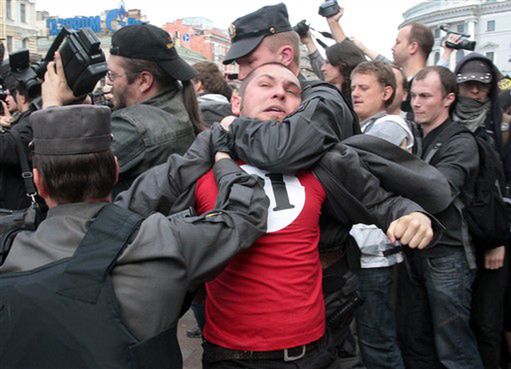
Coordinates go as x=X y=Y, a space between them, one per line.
x=494 y=118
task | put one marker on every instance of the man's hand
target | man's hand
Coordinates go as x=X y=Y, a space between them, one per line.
x=336 y=17
x=55 y=90
x=221 y=155
x=5 y=119
x=227 y=121
x=413 y=230
x=494 y=258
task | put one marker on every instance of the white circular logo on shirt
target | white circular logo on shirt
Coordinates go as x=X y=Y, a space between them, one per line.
x=286 y=194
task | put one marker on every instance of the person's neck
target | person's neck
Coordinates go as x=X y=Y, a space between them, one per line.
x=427 y=128
x=294 y=68
x=413 y=66
x=52 y=203
x=364 y=118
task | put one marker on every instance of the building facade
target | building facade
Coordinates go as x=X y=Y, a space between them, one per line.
x=199 y=34
x=18 y=25
x=488 y=22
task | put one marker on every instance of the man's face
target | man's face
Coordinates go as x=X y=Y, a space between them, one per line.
x=429 y=104
x=123 y=93
x=272 y=93
x=367 y=94
x=261 y=55
x=11 y=103
x=475 y=90
x=400 y=50
x=400 y=94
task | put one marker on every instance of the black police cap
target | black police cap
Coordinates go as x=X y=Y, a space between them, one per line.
x=148 y=42
x=248 y=31
x=71 y=130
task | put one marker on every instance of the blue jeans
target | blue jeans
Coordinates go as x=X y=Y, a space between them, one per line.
x=376 y=326
x=434 y=313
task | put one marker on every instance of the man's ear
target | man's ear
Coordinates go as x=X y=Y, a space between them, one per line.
x=39 y=183
x=449 y=99
x=236 y=104
x=387 y=92
x=286 y=55
x=145 y=81
x=413 y=47
x=116 y=170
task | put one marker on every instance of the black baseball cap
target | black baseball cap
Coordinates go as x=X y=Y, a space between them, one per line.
x=148 y=42
x=475 y=70
x=248 y=31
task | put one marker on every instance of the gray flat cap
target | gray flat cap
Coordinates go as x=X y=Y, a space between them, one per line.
x=71 y=130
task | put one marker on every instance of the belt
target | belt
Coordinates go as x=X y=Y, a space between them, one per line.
x=213 y=353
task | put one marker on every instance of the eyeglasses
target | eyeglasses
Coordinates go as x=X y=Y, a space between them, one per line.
x=112 y=76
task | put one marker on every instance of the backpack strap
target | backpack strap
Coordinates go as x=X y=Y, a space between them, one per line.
x=95 y=257
x=26 y=171
x=451 y=130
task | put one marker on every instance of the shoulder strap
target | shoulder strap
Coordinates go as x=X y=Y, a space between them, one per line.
x=97 y=254
x=26 y=171
x=452 y=129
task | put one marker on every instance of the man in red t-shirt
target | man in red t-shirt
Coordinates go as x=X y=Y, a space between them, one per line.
x=267 y=305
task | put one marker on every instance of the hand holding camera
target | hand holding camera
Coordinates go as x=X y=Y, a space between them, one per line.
x=55 y=90
x=457 y=40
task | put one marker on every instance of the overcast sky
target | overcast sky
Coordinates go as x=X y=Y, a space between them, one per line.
x=374 y=22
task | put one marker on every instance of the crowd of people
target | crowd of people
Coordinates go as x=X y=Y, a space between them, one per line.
x=358 y=219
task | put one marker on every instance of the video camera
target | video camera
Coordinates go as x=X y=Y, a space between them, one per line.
x=301 y=28
x=464 y=43
x=82 y=58
x=329 y=8
x=22 y=73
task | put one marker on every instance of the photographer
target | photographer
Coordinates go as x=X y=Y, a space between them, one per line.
x=156 y=112
x=342 y=57
x=12 y=190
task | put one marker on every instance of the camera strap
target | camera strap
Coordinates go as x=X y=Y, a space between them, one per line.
x=26 y=171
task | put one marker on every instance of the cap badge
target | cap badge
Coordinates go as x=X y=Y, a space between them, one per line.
x=232 y=31
x=273 y=30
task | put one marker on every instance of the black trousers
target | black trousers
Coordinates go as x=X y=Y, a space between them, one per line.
x=487 y=318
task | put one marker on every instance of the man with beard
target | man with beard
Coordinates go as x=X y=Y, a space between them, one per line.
x=156 y=111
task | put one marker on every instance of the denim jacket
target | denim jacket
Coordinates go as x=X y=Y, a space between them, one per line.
x=145 y=134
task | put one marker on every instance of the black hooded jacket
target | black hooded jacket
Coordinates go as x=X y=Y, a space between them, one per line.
x=494 y=117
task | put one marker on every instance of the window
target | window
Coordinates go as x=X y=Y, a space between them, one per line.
x=491 y=55
x=8 y=9
x=437 y=32
x=24 y=43
x=437 y=57
x=9 y=43
x=23 y=15
x=490 y=26
x=460 y=28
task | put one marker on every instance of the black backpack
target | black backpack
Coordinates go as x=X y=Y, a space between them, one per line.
x=486 y=213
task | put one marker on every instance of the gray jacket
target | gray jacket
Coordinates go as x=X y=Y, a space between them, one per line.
x=166 y=258
x=145 y=134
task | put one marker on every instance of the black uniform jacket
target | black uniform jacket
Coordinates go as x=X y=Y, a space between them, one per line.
x=354 y=194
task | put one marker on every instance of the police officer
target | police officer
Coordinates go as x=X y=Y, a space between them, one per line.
x=266 y=36
x=97 y=286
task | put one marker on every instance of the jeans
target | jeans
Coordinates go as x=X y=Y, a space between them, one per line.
x=434 y=313
x=376 y=326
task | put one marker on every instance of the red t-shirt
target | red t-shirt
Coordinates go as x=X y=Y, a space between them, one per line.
x=269 y=297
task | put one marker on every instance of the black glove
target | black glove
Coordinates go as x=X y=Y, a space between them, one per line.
x=221 y=140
